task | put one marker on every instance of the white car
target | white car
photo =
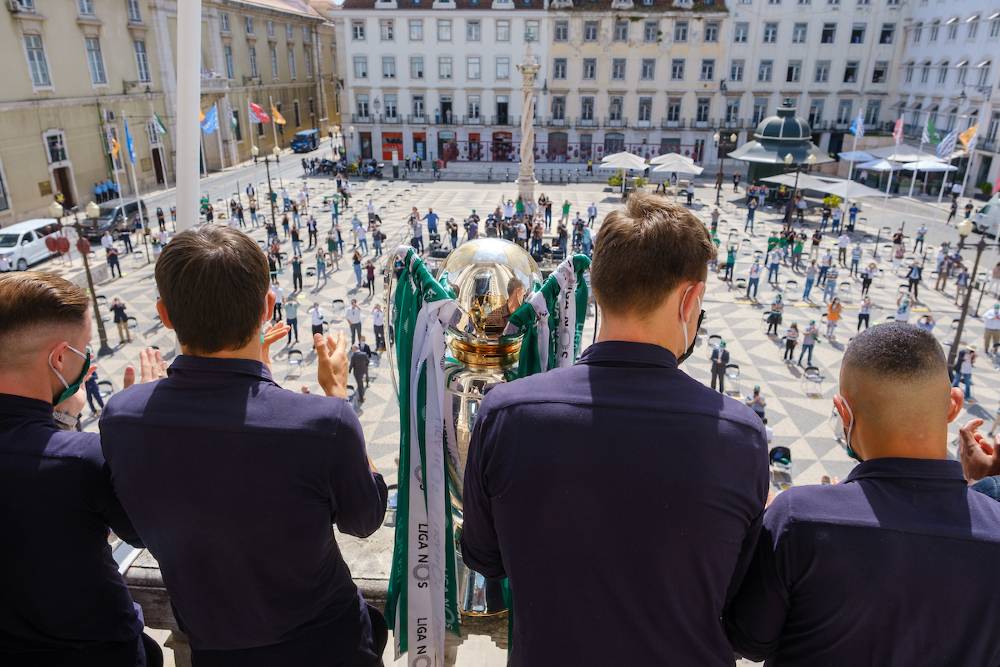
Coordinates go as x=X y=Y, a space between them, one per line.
x=987 y=220
x=23 y=244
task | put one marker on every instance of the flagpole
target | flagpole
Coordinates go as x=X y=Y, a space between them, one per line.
x=968 y=169
x=218 y=132
x=188 y=106
x=130 y=167
x=274 y=125
x=850 y=176
x=913 y=178
x=944 y=183
x=114 y=171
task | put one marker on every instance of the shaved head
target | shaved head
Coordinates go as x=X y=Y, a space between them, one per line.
x=895 y=378
x=36 y=309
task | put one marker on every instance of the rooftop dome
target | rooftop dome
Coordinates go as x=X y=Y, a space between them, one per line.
x=784 y=126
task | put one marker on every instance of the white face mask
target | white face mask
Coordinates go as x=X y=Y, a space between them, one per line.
x=845 y=433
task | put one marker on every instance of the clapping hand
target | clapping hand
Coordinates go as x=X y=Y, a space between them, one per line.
x=151 y=367
x=979 y=457
x=331 y=355
x=274 y=333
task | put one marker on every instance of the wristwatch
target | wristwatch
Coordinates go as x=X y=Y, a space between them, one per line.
x=66 y=421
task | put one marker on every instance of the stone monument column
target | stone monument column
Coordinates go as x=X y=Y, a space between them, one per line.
x=526 y=175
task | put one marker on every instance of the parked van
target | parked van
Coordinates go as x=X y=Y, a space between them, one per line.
x=987 y=220
x=116 y=216
x=23 y=244
x=305 y=141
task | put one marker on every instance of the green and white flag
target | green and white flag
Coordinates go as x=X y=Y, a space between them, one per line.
x=161 y=129
x=552 y=320
x=422 y=601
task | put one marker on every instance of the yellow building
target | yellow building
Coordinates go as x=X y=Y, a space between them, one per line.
x=78 y=70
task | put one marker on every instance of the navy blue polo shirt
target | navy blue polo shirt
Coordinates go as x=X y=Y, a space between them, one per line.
x=892 y=567
x=623 y=499
x=59 y=585
x=233 y=484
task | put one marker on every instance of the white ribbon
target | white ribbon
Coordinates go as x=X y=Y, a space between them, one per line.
x=566 y=325
x=427 y=530
x=541 y=308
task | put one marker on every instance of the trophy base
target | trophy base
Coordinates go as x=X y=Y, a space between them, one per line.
x=479 y=596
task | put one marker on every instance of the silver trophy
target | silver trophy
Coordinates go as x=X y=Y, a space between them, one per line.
x=490 y=278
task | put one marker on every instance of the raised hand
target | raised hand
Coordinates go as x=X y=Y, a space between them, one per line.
x=979 y=457
x=331 y=356
x=274 y=333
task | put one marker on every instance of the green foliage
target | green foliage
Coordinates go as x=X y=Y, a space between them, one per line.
x=986 y=188
x=639 y=181
x=832 y=201
x=615 y=180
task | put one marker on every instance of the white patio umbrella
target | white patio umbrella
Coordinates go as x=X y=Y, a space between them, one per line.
x=926 y=166
x=669 y=158
x=901 y=153
x=681 y=166
x=623 y=160
x=882 y=165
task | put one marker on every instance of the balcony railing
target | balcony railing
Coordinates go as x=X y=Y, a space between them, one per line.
x=615 y=122
x=417 y=119
x=700 y=124
x=359 y=118
x=556 y=122
x=586 y=122
x=472 y=120
x=671 y=124
x=504 y=121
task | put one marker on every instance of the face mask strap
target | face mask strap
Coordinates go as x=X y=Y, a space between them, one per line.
x=58 y=374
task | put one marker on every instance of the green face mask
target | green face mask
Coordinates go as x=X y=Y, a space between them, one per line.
x=71 y=388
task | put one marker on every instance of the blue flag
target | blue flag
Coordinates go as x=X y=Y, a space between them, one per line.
x=211 y=122
x=858 y=126
x=129 y=144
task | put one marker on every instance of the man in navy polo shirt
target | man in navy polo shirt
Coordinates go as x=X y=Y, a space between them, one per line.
x=620 y=496
x=62 y=600
x=233 y=482
x=888 y=567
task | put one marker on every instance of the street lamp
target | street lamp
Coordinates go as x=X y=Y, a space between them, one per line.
x=350 y=137
x=93 y=212
x=267 y=167
x=953 y=351
x=718 y=176
x=964 y=229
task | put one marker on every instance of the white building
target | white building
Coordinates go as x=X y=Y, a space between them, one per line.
x=948 y=73
x=438 y=79
x=831 y=57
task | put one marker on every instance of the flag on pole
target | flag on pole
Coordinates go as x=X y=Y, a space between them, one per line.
x=258 y=115
x=129 y=144
x=858 y=126
x=276 y=115
x=968 y=138
x=929 y=135
x=210 y=123
x=947 y=145
x=158 y=124
x=201 y=116
x=897 y=131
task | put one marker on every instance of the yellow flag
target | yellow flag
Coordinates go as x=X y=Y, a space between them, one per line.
x=115 y=147
x=201 y=116
x=276 y=116
x=966 y=137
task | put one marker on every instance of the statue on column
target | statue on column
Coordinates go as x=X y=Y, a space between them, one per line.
x=526 y=176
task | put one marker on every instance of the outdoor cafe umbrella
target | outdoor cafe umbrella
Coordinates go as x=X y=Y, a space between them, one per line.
x=935 y=166
x=669 y=158
x=623 y=160
x=681 y=166
x=881 y=165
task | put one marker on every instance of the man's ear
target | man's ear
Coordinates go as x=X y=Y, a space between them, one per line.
x=161 y=310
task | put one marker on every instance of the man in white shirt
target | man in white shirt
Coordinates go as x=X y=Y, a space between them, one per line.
x=842 y=242
x=106 y=241
x=991 y=319
x=279 y=298
x=378 y=323
x=591 y=214
x=354 y=320
x=317 y=318
x=522 y=234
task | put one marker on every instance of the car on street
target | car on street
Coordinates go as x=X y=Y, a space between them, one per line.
x=305 y=141
x=987 y=220
x=23 y=244
x=116 y=216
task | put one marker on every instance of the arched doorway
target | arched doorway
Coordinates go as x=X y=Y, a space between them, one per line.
x=614 y=142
